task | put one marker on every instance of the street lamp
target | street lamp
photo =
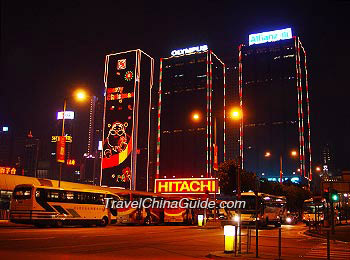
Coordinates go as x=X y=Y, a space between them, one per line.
x=293 y=153
x=80 y=95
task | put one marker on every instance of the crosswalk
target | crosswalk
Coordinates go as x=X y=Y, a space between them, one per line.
x=339 y=251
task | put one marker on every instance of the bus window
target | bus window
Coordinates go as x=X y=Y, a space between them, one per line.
x=22 y=193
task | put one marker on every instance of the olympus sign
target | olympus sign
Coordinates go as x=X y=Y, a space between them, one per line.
x=201 y=48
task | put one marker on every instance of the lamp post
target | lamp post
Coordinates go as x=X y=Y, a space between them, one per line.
x=293 y=153
x=80 y=95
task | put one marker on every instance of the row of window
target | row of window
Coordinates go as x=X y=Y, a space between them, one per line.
x=69 y=196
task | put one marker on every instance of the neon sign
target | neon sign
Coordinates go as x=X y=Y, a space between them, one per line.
x=67 y=115
x=186 y=186
x=55 y=139
x=201 y=48
x=271 y=36
x=7 y=170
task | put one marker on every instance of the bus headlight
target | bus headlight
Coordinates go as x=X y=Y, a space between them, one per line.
x=289 y=220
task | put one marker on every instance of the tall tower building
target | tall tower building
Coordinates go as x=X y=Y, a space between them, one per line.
x=273 y=87
x=126 y=134
x=191 y=113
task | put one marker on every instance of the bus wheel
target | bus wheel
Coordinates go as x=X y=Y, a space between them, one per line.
x=104 y=222
x=58 y=224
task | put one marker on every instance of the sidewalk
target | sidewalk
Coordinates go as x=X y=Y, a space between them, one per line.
x=342 y=233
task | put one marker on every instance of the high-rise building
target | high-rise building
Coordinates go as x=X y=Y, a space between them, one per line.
x=273 y=86
x=191 y=114
x=26 y=155
x=126 y=136
x=328 y=168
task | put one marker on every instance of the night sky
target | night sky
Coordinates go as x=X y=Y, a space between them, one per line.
x=49 y=48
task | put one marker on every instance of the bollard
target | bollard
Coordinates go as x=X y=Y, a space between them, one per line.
x=229 y=232
x=200 y=220
x=235 y=241
x=279 y=243
x=328 y=246
x=239 y=238
x=256 y=239
x=248 y=238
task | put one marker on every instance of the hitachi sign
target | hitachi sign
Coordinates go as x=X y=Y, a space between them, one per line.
x=271 y=36
x=186 y=186
x=201 y=48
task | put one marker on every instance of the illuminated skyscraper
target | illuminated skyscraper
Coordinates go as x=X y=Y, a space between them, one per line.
x=126 y=136
x=191 y=113
x=273 y=85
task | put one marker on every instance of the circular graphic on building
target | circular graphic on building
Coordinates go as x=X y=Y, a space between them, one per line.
x=128 y=75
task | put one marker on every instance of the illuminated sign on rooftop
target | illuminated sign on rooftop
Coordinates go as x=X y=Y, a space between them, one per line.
x=271 y=36
x=201 y=48
x=67 y=115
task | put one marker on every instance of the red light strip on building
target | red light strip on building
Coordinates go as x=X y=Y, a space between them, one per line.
x=210 y=111
x=308 y=111
x=300 y=103
x=224 y=78
x=240 y=83
x=159 y=112
x=208 y=94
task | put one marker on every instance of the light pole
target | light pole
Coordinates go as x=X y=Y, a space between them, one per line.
x=80 y=95
x=293 y=153
x=62 y=138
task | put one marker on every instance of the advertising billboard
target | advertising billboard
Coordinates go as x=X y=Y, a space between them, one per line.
x=187 y=186
x=67 y=115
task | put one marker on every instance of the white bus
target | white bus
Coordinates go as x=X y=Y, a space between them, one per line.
x=45 y=205
x=271 y=209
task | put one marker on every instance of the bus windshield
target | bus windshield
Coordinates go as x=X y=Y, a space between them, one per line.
x=22 y=193
x=310 y=208
x=250 y=202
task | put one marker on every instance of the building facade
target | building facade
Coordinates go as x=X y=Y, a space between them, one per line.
x=191 y=114
x=273 y=88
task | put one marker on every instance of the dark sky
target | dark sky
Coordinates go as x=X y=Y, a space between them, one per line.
x=49 y=48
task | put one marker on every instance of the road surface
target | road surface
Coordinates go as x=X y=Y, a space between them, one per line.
x=153 y=242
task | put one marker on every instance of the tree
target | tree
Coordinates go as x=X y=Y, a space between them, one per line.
x=227 y=175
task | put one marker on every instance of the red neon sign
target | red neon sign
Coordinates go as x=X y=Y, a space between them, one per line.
x=187 y=186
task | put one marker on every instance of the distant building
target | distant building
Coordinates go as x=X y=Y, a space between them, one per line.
x=191 y=113
x=275 y=101
x=328 y=168
x=6 y=143
x=92 y=159
x=26 y=155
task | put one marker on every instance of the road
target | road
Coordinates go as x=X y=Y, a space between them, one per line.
x=153 y=242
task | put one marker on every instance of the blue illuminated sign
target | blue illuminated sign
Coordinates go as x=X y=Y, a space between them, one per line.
x=5 y=129
x=271 y=36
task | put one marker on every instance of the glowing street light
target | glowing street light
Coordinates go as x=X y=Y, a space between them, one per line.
x=80 y=95
x=196 y=117
x=318 y=169
x=294 y=153
x=267 y=154
x=235 y=114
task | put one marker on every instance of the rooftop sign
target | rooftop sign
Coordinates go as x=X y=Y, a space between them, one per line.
x=271 y=36
x=201 y=48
